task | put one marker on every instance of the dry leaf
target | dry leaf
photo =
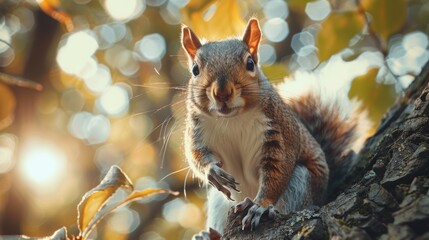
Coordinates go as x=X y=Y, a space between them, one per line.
x=96 y=198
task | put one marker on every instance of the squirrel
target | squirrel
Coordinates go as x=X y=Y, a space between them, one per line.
x=260 y=150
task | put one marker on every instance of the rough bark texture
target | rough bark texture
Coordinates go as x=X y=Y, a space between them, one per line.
x=386 y=195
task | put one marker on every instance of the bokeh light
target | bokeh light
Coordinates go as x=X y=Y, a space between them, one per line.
x=42 y=165
x=114 y=101
x=124 y=220
x=267 y=55
x=276 y=9
x=107 y=156
x=275 y=29
x=7 y=151
x=318 y=10
x=171 y=13
x=301 y=40
x=151 y=47
x=407 y=55
x=94 y=129
x=100 y=80
x=155 y=3
x=120 y=11
x=5 y=36
x=75 y=51
x=186 y=214
x=26 y=19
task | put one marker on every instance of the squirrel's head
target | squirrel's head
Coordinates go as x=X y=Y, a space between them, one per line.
x=225 y=75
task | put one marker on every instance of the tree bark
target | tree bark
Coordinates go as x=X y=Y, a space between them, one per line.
x=386 y=195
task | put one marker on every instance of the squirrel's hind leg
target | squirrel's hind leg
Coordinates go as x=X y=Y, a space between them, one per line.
x=297 y=195
x=217 y=210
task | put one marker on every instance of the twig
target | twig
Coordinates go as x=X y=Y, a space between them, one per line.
x=381 y=45
x=20 y=82
x=378 y=43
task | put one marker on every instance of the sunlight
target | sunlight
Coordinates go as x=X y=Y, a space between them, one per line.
x=43 y=165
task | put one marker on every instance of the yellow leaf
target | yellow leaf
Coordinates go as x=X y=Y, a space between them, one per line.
x=135 y=195
x=375 y=97
x=214 y=20
x=92 y=208
x=7 y=106
x=96 y=198
x=387 y=16
x=146 y=193
x=336 y=32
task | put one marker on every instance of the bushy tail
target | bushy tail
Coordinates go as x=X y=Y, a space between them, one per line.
x=336 y=122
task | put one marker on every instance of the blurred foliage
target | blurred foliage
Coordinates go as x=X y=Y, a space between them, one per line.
x=7 y=107
x=387 y=17
x=378 y=99
x=336 y=32
x=221 y=25
x=114 y=75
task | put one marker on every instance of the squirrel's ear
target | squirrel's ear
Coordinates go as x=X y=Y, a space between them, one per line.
x=252 y=36
x=190 y=42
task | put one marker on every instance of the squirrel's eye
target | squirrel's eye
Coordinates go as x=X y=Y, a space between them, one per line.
x=195 y=70
x=250 y=65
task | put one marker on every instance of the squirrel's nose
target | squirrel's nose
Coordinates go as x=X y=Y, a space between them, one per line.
x=223 y=94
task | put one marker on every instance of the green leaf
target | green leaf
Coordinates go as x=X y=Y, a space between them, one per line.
x=336 y=32
x=298 y=5
x=388 y=16
x=375 y=97
x=96 y=198
x=276 y=72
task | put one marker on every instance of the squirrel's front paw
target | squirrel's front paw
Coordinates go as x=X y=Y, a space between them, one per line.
x=210 y=235
x=221 y=180
x=254 y=214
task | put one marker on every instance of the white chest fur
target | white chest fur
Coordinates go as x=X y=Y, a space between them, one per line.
x=237 y=142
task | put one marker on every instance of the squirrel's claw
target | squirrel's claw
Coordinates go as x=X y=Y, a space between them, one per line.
x=220 y=187
x=254 y=213
x=210 y=235
x=243 y=205
x=220 y=179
